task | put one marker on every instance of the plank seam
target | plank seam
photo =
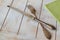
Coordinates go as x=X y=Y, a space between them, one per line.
x=22 y=19
x=6 y=16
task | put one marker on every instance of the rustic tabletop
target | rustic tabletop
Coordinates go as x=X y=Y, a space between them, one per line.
x=12 y=22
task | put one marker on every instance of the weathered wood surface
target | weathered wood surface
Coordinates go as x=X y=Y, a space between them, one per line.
x=27 y=26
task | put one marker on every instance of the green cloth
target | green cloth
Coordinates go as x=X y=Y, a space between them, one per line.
x=54 y=8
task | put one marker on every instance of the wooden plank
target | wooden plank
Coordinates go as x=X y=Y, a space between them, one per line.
x=3 y=9
x=28 y=26
x=58 y=31
x=47 y=17
x=31 y=25
x=12 y=22
x=14 y=18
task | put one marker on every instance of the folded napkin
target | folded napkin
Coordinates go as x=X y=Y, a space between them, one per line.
x=54 y=8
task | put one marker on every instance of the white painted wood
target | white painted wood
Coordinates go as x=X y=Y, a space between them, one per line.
x=47 y=17
x=58 y=31
x=14 y=17
x=28 y=26
x=3 y=9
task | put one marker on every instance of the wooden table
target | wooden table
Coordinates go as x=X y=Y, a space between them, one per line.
x=28 y=27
